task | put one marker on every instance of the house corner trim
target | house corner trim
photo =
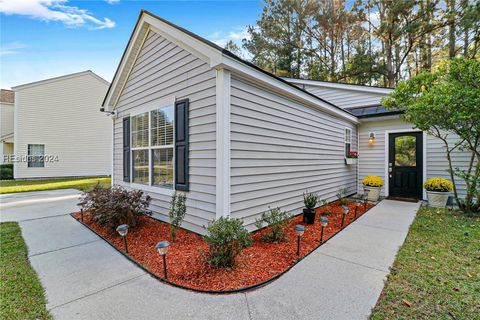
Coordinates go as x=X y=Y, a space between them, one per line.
x=223 y=143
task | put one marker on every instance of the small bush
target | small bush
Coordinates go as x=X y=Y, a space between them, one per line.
x=342 y=196
x=6 y=171
x=326 y=207
x=177 y=213
x=276 y=220
x=310 y=200
x=226 y=238
x=111 y=207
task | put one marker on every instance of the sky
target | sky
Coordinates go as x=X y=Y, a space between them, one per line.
x=41 y=39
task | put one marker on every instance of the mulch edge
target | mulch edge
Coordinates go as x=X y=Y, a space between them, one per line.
x=218 y=292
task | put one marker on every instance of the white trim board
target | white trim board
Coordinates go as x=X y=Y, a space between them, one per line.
x=223 y=156
x=67 y=76
x=424 y=157
x=344 y=86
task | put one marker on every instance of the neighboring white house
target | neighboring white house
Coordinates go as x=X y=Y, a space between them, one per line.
x=6 y=125
x=193 y=117
x=59 y=131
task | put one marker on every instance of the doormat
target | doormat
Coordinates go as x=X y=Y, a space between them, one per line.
x=402 y=199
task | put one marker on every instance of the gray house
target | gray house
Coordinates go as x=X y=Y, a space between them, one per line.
x=193 y=117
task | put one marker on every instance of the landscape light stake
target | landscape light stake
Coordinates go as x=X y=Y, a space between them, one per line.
x=358 y=203
x=81 y=214
x=345 y=211
x=162 y=248
x=299 y=230
x=365 y=201
x=122 y=231
x=324 y=223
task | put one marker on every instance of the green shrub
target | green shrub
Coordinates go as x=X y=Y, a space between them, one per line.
x=177 y=213
x=276 y=220
x=342 y=196
x=226 y=238
x=310 y=200
x=111 y=207
x=6 y=171
x=325 y=206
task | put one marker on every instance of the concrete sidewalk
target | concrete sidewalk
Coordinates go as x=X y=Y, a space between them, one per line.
x=85 y=278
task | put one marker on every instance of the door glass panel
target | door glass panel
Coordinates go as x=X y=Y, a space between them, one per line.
x=406 y=151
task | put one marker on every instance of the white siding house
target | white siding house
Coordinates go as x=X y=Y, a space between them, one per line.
x=7 y=107
x=194 y=118
x=254 y=140
x=58 y=119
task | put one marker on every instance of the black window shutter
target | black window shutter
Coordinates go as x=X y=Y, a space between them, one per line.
x=126 y=149
x=181 y=145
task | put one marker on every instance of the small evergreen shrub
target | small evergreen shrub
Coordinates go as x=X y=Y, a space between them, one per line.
x=177 y=213
x=276 y=220
x=226 y=238
x=342 y=196
x=310 y=200
x=326 y=207
x=6 y=171
x=111 y=207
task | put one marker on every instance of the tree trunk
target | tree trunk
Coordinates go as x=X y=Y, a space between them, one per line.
x=451 y=28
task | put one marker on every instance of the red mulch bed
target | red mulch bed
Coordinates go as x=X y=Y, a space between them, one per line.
x=187 y=267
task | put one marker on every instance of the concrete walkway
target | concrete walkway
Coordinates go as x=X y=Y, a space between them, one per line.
x=85 y=278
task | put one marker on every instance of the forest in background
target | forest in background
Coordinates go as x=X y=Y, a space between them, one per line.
x=374 y=42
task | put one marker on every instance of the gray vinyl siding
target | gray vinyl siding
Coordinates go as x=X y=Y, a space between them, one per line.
x=279 y=149
x=162 y=70
x=345 y=98
x=372 y=157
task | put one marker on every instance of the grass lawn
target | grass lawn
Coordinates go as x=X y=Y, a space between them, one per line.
x=13 y=186
x=21 y=294
x=436 y=274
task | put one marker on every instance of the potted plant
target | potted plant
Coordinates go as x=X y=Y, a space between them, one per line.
x=372 y=186
x=351 y=157
x=310 y=200
x=438 y=191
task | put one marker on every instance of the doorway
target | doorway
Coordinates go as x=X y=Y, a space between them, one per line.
x=405 y=164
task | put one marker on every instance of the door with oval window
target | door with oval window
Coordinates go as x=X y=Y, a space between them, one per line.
x=405 y=164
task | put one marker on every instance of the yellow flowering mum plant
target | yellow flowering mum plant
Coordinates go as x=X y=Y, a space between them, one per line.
x=438 y=185
x=372 y=181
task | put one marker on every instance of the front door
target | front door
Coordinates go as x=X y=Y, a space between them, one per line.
x=405 y=164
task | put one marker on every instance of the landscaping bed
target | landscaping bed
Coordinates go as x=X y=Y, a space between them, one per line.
x=185 y=259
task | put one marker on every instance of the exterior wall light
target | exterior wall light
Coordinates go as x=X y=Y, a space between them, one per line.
x=162 y=248
x=299 y=230
x=323 y=223
x=122 y=231
x=345 y=211
x=371 y=138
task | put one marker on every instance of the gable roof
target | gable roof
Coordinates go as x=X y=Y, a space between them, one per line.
x=211 y=53
x=338 y=85
x=7 y=96
x=67 y=76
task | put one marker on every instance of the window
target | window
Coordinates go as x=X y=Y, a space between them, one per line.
x=36 y=153
x=152 y=147
x=348 y=141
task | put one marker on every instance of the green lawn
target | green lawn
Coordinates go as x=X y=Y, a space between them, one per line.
x=21 y=294
x=436 y=274
x=12 y=186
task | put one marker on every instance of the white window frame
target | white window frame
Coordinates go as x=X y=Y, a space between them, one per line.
x=349 y=135
x=155 y=105
x=28 y=155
